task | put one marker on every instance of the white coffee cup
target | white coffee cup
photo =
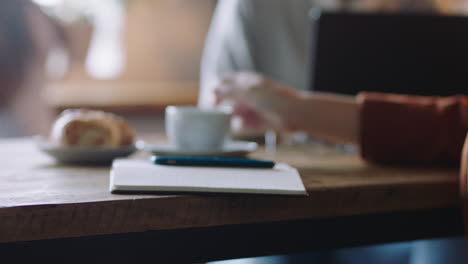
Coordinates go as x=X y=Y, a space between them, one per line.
x=192 y=129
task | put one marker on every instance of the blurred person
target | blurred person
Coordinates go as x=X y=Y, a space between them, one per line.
x=16 y=52
x=389 y=129
x=25 y=35
x=270 y=37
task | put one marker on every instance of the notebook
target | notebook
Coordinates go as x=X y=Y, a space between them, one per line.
x=133 y=176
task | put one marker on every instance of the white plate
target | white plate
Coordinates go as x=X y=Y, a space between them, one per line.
x=85 y=156
x=230 y=149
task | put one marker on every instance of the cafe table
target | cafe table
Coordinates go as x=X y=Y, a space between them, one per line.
x=59 y=212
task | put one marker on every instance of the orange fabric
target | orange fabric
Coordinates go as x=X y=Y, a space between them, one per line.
x=416 y=129
x=464 y=184
x=404 y=129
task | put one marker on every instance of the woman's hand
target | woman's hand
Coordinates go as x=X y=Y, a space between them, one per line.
x=259 y=101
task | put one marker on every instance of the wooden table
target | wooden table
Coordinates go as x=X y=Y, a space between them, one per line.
x=48 y=209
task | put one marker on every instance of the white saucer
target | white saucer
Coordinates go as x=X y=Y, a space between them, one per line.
x=84 y=156
x=230 y=149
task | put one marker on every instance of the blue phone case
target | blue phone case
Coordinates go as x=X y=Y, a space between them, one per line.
x=213 y=162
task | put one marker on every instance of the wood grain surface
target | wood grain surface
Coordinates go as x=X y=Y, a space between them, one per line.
x=42 y=200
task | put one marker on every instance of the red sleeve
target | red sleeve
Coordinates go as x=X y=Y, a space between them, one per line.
x=464 y=184
x=412 y=129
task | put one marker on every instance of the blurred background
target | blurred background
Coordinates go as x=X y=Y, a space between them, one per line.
x=127 y=53
x=133 y=57
x=127 y=56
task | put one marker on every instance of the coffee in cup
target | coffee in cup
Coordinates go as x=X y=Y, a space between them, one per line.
x=193 y=129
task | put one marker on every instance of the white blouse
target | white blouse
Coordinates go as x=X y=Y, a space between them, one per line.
x=266 y=36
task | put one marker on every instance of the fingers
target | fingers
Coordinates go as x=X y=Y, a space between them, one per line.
x=218 y=98
x=254 y=98
x=249 y=116
x=237 y=86
x=253 y=118
x=224 y=89
x=221 y=93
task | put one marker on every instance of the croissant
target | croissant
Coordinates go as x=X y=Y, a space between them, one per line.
x=91 y=128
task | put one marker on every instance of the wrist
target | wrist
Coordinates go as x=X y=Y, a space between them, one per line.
x=329 y=116
x=296 y=110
